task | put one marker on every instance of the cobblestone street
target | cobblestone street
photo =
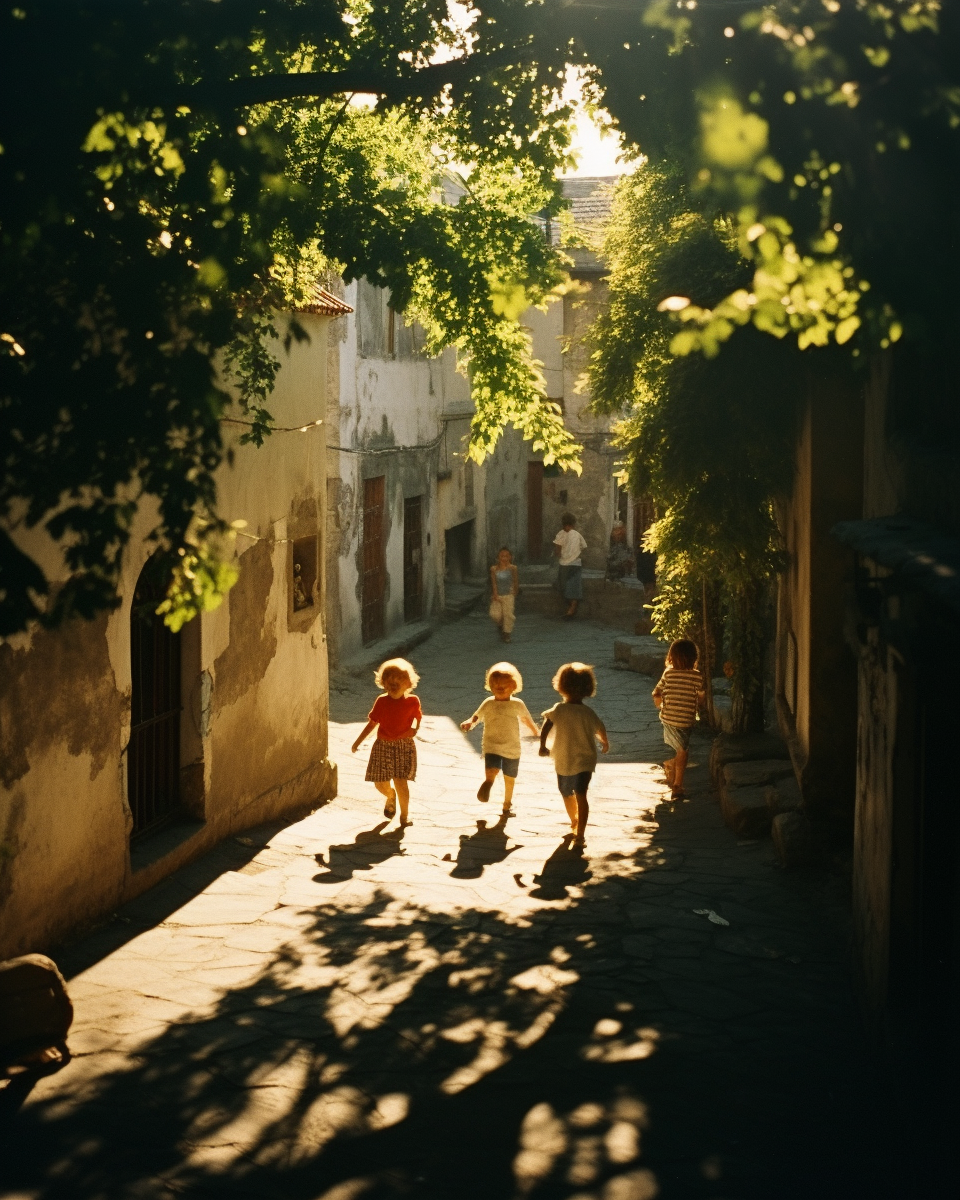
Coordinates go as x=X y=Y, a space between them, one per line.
x=467 y=1008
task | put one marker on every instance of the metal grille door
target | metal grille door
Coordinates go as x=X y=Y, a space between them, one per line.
x=374 y=560
x=413 y=558
x=153 y=757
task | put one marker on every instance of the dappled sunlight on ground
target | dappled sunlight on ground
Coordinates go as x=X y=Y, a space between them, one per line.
x=469 y=1007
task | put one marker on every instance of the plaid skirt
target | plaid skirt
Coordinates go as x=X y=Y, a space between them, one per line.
x=392 y=760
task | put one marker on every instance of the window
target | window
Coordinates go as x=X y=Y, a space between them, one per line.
x=303 y=585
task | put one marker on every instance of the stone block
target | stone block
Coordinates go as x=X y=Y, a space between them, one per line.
x=646 y=662
x=792 y=838
x=785 y=796
x=745 y=811
x=757 y=772
x=622 y=646
x=730 y=748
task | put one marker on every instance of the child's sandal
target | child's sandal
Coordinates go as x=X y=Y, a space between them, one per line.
x=390 y=808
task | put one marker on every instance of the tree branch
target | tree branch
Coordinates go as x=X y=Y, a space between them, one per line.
x=371 y=79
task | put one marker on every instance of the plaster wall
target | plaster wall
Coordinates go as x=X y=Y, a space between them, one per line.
x=398 y=414
x=254 y=692
x=591 y=495
x=817 y=690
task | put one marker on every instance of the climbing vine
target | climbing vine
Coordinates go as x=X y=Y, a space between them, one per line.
x=707 y=437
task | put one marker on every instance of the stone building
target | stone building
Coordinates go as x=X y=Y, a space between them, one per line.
x=411 y=521
x=125 y=749
x=559 y=343
x=867 y=656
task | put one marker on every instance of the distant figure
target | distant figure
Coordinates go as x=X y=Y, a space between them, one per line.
x=678 y=695
x=502 y=717
x=568 y=545
x=621 y=561
x=396 y=716
x=577 y=731
x=504 y=585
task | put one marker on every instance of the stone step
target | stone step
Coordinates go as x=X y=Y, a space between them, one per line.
x=757 y=772
x=730 y=748
x=745 y=810
x=642 y=653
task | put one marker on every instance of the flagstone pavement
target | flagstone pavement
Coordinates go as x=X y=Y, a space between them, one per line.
x=468 y=1008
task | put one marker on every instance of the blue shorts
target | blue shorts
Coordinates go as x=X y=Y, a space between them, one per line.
x=568 y=784
x=496 y=762
x=675 y=737
x=571 y=582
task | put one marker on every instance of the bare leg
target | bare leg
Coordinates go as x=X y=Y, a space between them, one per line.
x=403 y=795
x=681 y=766
x=489 y=775
x=583 y=814
x=668 y=769
x=508 y=783
x=572 y=610
x=385 y=789
x=570 y=804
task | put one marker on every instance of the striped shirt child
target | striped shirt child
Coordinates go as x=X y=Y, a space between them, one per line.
x=680 y=691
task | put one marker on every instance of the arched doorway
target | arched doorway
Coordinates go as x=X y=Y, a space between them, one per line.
x=153 y=756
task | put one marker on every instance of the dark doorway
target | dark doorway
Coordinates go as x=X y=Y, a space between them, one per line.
x=644 y=516
x=458 y=545
x=535 y=511
x=374 y=584
x=153 y=756
x=413 y=558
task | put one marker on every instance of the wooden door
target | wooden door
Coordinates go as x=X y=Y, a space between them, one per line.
x=374 y=560
x=413 y=558
x=534 y=511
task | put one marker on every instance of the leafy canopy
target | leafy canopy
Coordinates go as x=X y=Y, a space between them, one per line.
x=174 y=173
x=829 y=131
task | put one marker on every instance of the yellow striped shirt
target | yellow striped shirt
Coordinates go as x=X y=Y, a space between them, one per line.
x=679 y=690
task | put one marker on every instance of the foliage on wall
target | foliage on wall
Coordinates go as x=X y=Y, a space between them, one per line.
x=708 y=438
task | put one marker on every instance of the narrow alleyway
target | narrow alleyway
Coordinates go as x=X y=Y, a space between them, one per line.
x=468 y=1010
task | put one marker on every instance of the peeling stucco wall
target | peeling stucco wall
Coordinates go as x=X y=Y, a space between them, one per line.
x=254 y=691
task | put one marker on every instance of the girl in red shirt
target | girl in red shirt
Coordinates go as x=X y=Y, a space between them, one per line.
x=396 y=716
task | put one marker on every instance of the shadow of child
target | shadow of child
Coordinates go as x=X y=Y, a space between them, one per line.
x=481 y=849
x=370 y=847
x=566 y=867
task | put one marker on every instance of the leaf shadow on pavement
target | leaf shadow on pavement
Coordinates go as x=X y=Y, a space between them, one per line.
x=603 y=1046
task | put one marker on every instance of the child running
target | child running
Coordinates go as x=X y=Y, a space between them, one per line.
x=502 y=717
x=678 y=695
x=504 y=585
x=396 y=716
x=577 y=729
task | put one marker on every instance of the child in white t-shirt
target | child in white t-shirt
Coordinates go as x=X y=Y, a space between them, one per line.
x=576 y=731
x=568 y=545
x=502 y=717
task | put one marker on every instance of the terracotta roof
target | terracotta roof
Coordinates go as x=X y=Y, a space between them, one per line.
x=324 y=304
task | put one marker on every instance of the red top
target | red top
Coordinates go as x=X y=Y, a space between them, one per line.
x=395 y=717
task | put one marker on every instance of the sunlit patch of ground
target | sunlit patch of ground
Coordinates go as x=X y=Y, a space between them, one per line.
x=468 y=1007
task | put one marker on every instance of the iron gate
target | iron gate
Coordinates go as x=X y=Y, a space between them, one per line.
x=153 y=756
